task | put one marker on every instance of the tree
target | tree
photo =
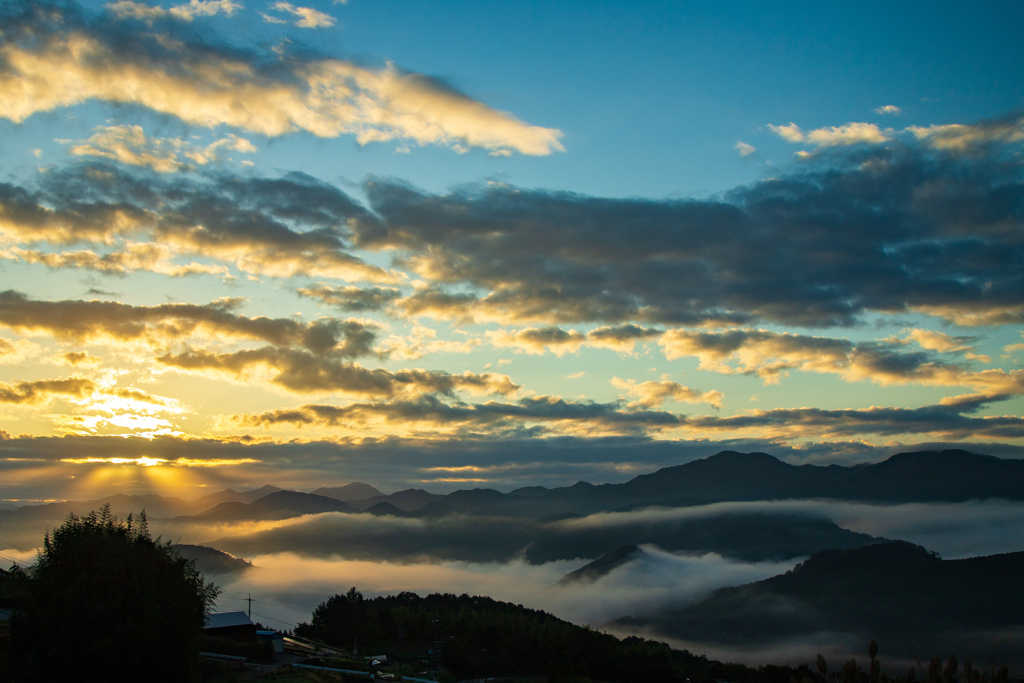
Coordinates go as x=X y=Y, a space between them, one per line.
x=337 y=621
x=822 y=666
x=106 y=602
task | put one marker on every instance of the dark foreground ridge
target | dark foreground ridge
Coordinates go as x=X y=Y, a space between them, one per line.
x=897 y=592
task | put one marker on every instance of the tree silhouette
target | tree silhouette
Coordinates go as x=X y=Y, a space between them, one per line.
x=106 y=602
x=874 y=673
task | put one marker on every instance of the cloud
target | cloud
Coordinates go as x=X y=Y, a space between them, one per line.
x=832 y=136
x=744 y=149
x=279 y=227
x=654 y=394
x=537 y=340
x=422 y=343
x=956 y=138
x=730 y=531
x=939 y=341
x=53 y=59
x=77 y=358
x=886 y=230
x=621 y=338
x=970 y=138
x=306 y=372
x=97 y=406
x=165 y=323
x=130 y=145
x=38 y=391
x=148 y=256
x=494 y=418
x=124 y=9
x=637 y=588
x=789 y=132
x=306 y=17
x=351 y=298
x=951 y=419
x=122 y=411
x=772 y=355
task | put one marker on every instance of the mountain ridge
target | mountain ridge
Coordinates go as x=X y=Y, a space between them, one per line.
x=952 y=475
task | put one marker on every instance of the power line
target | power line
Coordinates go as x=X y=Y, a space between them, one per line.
x=265 y=602
x=297 y=609
x=280 y=621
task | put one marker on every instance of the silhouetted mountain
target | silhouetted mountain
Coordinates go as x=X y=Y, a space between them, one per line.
x=895 y=592
x=276 y=505
x=460 y=537
x=530 y=491
x=591 y=572
x=155 y=506
x=228 y=496
x=212 y=561
x=120 y=504
x=349 y=492
x=925 y=476
x=749 y=536
x=408 y=500
x=433 y=510
x=928 y=476
x=386 y=509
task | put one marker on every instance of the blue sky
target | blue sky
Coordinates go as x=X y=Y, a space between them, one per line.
x=490 y=244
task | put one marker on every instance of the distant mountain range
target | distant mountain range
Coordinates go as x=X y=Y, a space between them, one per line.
x=908 y=599
x=544 y=531
x=922 y=476
x=276 y=505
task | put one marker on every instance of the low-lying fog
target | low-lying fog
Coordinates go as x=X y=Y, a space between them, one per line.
x=301 y=562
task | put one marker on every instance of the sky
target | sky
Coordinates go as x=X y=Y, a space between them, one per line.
x=456 y=245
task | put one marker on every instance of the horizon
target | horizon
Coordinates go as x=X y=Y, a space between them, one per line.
x=448 y=489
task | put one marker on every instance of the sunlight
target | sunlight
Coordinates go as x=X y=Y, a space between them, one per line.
x=146 y=474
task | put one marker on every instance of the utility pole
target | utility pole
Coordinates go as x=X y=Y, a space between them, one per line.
x=250 y=606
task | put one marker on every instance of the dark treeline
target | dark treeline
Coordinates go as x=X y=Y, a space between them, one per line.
x=475 y=637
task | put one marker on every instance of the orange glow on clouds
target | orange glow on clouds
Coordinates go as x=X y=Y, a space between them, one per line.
x=145 y=461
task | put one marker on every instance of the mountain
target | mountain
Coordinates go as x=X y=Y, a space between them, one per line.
x=408 y=500
x=385 y=509
x=276 y=505
x=120 y=504
x=931 y=476
x=913 y=602
x=230 y=495
x=923 y=476
x=748 y=536
x=349 y=492
x=212 y=561
x=602 y=566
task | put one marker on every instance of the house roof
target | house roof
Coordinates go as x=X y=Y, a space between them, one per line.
x=227 y=619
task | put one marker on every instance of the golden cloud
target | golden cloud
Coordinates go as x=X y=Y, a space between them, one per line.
x=654 y=393
x=204 y=87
